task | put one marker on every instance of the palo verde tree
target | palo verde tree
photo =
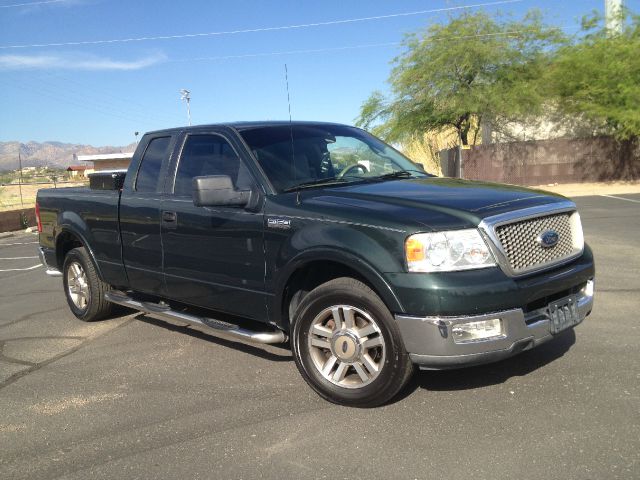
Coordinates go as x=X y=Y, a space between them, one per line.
x=596 y=78
x=455 y=74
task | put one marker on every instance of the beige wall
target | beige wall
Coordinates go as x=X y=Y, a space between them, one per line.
x=111 y=164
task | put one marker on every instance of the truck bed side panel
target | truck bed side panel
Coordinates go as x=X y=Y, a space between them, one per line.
x=91 y=216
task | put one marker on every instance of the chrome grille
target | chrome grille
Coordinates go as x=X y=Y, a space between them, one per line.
x=522 y=249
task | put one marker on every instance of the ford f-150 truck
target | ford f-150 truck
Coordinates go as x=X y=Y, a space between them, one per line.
x=324 y=236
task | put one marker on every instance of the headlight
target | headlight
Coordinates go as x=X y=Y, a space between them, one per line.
x=447 y=251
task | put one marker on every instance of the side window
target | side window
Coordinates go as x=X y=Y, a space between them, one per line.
x=149 y=172
x=204 y=155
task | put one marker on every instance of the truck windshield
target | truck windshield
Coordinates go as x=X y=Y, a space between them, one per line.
x=299 y=156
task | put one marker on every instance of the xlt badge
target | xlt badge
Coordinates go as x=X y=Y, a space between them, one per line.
x=278 y=222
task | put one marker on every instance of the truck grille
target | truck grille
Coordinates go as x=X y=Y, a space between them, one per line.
x=524 y=252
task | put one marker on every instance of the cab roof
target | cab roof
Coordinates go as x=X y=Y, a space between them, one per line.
x=247 y=125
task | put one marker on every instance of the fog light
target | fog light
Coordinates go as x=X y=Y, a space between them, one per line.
x=587 y=290
x=474 y=331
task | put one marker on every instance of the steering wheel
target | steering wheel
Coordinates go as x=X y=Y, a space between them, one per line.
x=355 y=166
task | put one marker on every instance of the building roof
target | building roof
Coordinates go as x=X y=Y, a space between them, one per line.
x=77 y=168
x=105 y=156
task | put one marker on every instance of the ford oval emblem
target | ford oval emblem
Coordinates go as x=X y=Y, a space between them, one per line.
x=548 y=238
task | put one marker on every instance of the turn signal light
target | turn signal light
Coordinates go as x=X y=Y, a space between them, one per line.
x=415 y=250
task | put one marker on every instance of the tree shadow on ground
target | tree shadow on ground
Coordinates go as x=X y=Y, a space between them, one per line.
x=493 y=373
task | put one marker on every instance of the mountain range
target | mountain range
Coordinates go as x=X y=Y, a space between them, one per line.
x=51 y=154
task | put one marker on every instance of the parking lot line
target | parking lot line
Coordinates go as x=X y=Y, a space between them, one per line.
x=621 y=198
x=20 y=269
x=18 y=243
x=16 y=258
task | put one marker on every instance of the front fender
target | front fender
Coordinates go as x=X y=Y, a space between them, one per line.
x=327 y=254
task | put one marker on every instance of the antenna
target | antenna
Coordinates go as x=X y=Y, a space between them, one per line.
x=293 y=155
x=286 y=79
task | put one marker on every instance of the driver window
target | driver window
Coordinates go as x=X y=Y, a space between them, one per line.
x=352 y=156
x=204 y=155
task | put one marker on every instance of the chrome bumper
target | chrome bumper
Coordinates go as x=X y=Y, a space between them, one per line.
x=51 y=271
x=431 y=346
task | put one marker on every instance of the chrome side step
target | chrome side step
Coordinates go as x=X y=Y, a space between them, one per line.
x=165 y=313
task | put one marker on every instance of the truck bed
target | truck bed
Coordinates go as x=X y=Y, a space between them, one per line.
x=89 y=214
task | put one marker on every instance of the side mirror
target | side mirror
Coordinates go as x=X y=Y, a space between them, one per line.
x=217 y=191
x=419 y=166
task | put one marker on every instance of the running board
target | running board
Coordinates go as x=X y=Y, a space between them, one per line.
x=165 y=313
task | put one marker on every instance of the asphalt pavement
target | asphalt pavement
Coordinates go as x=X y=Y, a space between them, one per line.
x=135 y=397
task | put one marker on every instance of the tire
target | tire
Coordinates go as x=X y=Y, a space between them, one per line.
x=83 y=288
x=347 y=345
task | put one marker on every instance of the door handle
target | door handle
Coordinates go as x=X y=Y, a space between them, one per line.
x=169 y=217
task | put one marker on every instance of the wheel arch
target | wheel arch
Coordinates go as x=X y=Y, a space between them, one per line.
x=69 y=238
x=311 y=269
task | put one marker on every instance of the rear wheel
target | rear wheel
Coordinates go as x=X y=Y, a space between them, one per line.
x=347 y=346
x=83 y=288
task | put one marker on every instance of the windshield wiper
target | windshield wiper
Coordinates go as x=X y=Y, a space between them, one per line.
x=409 y=173
x=316 y=183
x=396 y=174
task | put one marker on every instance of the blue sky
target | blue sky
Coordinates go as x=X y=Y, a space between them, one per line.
x=102 y=93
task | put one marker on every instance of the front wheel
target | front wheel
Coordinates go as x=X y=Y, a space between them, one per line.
x=347 y=346
x=83 y=288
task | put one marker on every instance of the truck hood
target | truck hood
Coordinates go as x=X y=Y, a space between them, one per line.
x=434 y=202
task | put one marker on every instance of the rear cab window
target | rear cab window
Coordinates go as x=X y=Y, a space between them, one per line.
x=149 y=178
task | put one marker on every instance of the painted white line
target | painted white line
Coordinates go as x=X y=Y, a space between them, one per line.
x=16 y=258
x=20 y=243
x=20 y=269
x=621 y=198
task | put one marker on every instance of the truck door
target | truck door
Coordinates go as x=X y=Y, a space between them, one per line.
x=213 y=257
x=140 y=216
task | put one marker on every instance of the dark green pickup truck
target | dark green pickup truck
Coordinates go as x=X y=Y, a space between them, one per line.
x=322 y=234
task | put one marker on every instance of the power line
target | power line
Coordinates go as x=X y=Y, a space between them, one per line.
x=84 y=103
x=263 y=29
x=287 y=52
x=142 y=111
x=512 y=33
x=32 y=4
x=140 y=107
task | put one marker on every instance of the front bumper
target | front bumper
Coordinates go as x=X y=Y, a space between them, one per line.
x=431 y=346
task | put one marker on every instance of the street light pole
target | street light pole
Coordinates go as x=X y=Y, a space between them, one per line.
x=20 y=180
x=186 y=96
x=613 y=14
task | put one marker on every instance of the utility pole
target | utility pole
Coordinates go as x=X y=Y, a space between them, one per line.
x=613 y=10
x=186 y=96
x=20 y=180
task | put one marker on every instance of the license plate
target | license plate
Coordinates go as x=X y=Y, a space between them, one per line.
x=563 y=314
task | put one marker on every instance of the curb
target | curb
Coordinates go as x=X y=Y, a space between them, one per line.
x=31 y=230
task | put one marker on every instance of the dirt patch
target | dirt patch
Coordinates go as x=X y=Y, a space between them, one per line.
x=10 y=194
x=53 y=408
x=584 y=189
x=12 y=428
